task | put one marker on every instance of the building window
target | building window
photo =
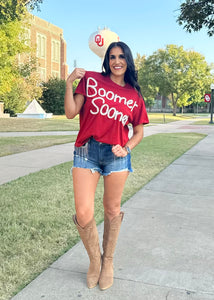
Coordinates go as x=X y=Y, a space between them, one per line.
x=41 y=45
x=55 y=74
x=42 y=73
x=55 y=51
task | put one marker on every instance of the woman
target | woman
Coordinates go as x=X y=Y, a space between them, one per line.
x=107 y=102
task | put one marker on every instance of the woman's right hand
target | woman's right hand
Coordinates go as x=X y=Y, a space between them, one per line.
x=77 y=73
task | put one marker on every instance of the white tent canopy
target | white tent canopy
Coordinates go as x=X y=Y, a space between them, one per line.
x=34 y=110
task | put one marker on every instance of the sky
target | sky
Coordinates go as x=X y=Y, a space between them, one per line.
x=144 y=25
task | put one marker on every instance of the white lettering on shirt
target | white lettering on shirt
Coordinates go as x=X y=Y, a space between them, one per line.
x=105 y=110
x=91 y=86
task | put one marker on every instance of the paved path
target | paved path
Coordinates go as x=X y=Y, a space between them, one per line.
x=165 y=249
x=21 y=164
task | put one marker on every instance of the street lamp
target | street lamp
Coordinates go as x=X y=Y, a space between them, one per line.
x=212 y=100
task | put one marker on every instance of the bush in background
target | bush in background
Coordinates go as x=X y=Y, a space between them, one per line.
x=52 y=100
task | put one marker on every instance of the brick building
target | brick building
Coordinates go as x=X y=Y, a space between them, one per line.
x=50 y=48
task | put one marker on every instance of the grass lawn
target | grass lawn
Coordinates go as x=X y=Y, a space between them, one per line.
x=36 y=210
x=168 y=117
x=57 y=123
x=203 y=122
x=61 y=123
x=12 y=145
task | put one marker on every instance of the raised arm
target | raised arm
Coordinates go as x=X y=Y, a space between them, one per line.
x=73 y=103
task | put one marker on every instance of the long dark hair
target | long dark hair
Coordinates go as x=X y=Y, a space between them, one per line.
x=131 y=74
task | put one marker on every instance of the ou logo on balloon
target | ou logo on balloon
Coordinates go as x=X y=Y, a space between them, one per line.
x=99 y=40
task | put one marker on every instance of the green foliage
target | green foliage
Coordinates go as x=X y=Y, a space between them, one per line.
x=144 y=79
x=14 y=10
x=139 y=61
x=13 y=100
x=149 y=102
x=32 y=4
x=174 y=73
x=11 y=10
x=195 y=14
x=75 y=84
x=22 y=91
x=23 y=87
x=184 y=100
x=17 y=82
x=196 y=98
x=11 y=44
x=53 y=96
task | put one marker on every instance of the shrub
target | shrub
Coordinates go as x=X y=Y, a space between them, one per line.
x=53 y=96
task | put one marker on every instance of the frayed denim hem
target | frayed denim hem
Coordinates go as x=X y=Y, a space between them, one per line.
x=93 y=170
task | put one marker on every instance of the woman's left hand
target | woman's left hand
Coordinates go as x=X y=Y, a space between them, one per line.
x=119 y=151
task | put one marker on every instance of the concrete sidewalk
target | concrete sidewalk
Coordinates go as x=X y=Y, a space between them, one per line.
x=21 y=164
x=165 y=249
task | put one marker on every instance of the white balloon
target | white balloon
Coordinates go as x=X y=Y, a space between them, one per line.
x=100 y=40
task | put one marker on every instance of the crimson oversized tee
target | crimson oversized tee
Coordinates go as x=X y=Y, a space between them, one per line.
x=108 y=109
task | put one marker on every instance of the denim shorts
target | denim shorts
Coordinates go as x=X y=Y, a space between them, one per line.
x=99 y=157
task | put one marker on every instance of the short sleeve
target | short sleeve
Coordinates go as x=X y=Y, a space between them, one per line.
x=140 y=114
x=81 y=88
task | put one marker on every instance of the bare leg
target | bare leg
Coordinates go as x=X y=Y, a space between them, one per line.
x=114 y=185
x=113 y=189
x=85 y=183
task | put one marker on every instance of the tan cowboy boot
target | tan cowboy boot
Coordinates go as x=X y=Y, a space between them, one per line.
x=90 y=239
x=110 y=236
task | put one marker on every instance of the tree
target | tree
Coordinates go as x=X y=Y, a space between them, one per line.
x=139 y=61
x=196 y=98
x=75 y=84
x=195 y=14
x=175 y=73
x=11 y=44
x=53 y=96
x=13 y=10
x=149 y=92
x=24 y=87
x=18 y=82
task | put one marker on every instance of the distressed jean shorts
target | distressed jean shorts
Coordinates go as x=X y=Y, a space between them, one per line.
x=99 y=157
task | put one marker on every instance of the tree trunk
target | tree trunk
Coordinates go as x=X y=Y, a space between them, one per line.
x=174 y=105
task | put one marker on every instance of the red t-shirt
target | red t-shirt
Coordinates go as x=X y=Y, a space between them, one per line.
x=108 y=109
